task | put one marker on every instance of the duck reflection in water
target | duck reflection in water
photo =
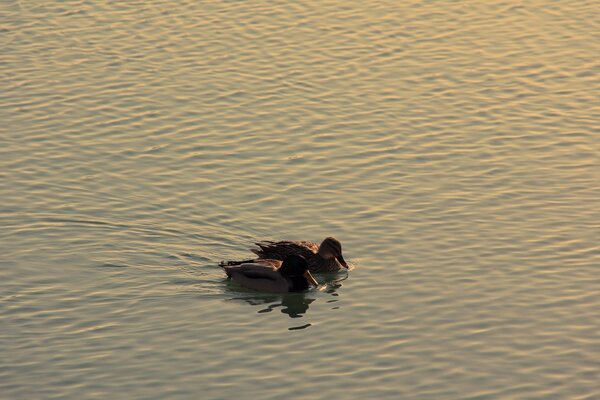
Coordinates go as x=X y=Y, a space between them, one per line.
x=294 y=305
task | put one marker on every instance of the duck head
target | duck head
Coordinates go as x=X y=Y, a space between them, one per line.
x=332 y=248
x=295 y=269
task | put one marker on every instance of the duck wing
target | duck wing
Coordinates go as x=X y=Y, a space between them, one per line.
x=261 y=276
x=275 y=264
x=280 y=250
x=266 y=267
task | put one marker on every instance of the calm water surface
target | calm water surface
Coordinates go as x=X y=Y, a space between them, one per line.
x=452 y=147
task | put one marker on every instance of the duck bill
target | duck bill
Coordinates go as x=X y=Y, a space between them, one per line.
x=310 y=278
x=342 y=261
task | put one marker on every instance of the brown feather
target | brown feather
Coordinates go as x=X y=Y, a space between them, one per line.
x=308 y=250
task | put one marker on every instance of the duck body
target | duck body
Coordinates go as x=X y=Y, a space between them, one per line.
x=273 y=276
x=326 y=257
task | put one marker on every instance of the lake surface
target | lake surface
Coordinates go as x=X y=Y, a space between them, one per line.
x=452 y=147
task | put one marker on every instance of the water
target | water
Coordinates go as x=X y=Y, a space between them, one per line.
x=453 y=148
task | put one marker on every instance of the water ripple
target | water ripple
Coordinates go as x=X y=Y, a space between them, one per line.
x=451 y=147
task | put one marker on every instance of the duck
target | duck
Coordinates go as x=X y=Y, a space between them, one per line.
x=326 y=257
x=273 y=276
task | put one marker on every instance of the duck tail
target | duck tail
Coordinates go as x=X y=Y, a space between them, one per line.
x=263 y=248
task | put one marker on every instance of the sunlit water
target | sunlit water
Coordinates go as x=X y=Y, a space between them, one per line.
x=452 y=147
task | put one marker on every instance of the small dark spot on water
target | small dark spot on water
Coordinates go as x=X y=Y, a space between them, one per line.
x=295 y=328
